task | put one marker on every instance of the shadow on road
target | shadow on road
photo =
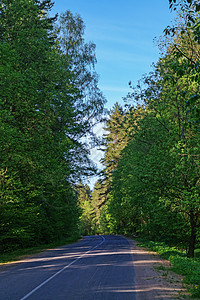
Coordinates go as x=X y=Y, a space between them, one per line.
x=113 y=268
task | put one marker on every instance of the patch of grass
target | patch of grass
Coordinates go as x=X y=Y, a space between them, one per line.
x=160 y=268
x=21 y=253
x=181 y=264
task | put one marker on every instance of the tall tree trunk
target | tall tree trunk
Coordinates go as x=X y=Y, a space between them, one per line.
x=192 y=235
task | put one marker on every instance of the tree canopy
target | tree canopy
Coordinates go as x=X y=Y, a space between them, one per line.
x=49 y=101
x=153 y=145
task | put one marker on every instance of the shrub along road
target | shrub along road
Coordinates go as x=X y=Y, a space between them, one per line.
x=97 y=267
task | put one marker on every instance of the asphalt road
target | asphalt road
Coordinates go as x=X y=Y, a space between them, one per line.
x=97 y=267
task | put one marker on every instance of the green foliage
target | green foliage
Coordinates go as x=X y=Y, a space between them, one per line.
x=154 y=187
x=44 y=114
x=189 y=28
x=106 y=222
x=87 y=215
x=120 y=128
x=98 y=197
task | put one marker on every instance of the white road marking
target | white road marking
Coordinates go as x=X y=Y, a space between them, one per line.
x=57 y=273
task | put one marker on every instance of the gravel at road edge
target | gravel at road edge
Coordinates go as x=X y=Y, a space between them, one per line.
x=153 y=279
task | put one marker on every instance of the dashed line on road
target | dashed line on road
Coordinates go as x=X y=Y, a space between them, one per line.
x=60 y=271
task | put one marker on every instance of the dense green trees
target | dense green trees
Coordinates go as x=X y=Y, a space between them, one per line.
x=49 y=104
x=119 y=129
x=45 y=114
x=86 y=210
x=154 y=185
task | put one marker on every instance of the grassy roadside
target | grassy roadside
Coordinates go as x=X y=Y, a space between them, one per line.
x=18 y=254
x=181 y=264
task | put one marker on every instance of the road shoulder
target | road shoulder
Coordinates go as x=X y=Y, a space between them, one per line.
x=153 y=279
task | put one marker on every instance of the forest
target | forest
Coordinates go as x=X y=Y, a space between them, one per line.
x=49 y=104
x=150 y=183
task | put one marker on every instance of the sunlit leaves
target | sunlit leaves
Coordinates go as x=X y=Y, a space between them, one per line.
x=157 y=174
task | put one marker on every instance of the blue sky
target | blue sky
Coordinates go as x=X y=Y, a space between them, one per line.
x=123 y=31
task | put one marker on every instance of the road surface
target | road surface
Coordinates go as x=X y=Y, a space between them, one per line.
x=95 y=268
